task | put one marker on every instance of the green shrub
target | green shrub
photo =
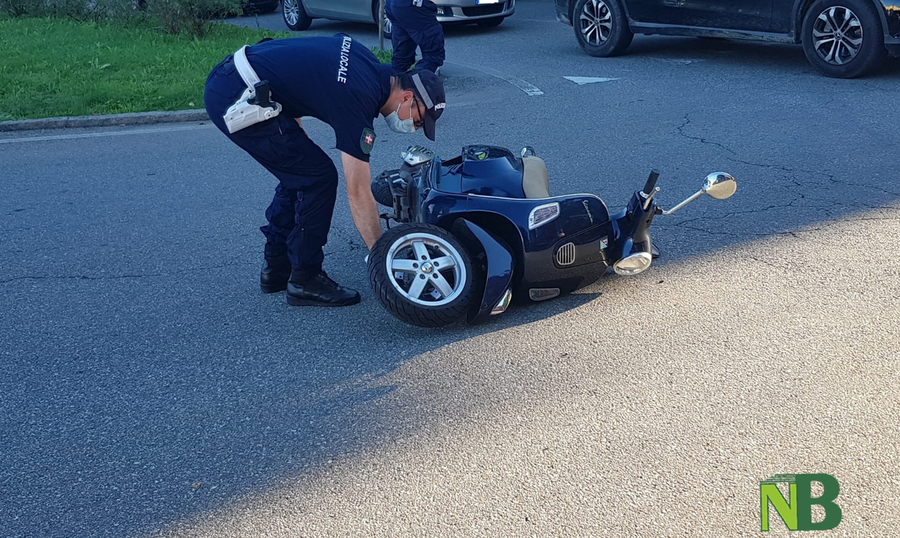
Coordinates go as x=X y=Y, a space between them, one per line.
x=179 y=17
x=79 y=10
x=191 y=17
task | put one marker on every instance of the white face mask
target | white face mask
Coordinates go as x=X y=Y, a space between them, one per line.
x=407 y=126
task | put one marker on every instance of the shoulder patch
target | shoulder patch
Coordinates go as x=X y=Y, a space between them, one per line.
x=367 y=140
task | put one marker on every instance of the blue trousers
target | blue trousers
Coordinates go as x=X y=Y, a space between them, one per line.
x=301 y=210
x=413 y=26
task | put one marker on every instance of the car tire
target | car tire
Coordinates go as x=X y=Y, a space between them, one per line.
x=859 y=38
x=270 y=8
x=295 y=16
x=250 y=10
x=406 y=282
x=493 y=22
x=601 y=27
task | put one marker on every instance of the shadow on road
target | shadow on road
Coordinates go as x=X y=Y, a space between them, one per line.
x=144 y=379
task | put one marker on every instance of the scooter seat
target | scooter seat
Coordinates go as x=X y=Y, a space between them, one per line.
x=535 y=180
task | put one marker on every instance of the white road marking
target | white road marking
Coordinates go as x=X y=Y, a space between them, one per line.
x=526 y=87
x=680 y=61
x=581 y=81
x=103 y=134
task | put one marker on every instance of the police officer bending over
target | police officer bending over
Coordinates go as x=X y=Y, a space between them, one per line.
x=257 y=97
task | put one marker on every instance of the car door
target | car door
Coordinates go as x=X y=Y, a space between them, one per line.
x=748 y=15
x=342 y=10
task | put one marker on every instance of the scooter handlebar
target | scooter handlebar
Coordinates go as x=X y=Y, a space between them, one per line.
x=651 y=182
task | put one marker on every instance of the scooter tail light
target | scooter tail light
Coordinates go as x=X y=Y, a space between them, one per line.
x=542 y=214
x=633 y=264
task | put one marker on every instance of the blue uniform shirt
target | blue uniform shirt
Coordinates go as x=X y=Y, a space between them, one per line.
x=334 y=79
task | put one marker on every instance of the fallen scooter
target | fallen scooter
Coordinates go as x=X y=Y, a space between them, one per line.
x=479 y=229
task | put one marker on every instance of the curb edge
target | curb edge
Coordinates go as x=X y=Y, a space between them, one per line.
x=105 y=120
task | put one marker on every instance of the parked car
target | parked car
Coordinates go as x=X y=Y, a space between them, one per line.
x=841 y=38
x=299 y=14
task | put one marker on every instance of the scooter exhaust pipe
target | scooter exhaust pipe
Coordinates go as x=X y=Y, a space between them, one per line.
x=637 y=261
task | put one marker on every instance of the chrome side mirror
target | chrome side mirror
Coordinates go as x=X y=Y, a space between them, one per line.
x=720 y=185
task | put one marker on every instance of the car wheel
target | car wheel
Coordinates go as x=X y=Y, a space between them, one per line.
x=385 y=23
x=423 y=275
x=295 y=16
x=843 y=38
x=601 y=27
x=493 y=22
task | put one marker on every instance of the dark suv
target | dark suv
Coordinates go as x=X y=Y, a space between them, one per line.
x=841 y=38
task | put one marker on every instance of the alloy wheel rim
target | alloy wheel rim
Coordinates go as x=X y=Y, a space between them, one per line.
x=425 y=269
x=595 y=21
x=291 y=11
x=837 y=35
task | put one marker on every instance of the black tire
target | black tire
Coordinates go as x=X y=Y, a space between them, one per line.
x=859 y=45
x=601 y=27
x=250 y=9
x=410 y=291
x=385 y=24
x=295 y=16
x=381 y=190
x=493 y=22
x=269 y=8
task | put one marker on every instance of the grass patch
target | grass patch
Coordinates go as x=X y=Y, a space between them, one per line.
x=59 y=67
x=384 y=55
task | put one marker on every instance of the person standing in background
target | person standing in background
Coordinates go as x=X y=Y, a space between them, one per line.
x=414 y=24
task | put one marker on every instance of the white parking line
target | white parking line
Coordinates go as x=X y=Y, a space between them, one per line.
x=680 y=61
x=526 y=87
x=581 y=81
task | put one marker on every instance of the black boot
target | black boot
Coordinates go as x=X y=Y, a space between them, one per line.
x=318 y=291
x=276 y=270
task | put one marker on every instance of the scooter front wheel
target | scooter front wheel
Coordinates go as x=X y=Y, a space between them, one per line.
x=423 y=275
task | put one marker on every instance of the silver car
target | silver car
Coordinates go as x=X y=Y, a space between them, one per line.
x=299 y=14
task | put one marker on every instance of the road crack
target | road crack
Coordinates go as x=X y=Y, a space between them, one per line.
x=789 y=174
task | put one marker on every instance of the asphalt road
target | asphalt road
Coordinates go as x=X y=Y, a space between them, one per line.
x=148 y=389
